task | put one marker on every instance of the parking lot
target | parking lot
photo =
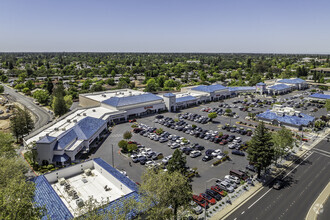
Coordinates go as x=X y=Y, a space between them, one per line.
x=205 y=169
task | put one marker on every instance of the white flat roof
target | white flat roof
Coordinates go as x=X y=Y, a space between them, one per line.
x=68 y=122
x=93 y=187
x=101 y=96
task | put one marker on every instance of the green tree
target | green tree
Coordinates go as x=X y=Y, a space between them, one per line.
x=282 y=139
x=170 y=83
x=151 y=85
x=228 y=110
x=212 y=115
x=97 y=88
x=42 y=96
x=21 y=123
x=6 y=145
x=49 y=86
x=30 y=84
x=327 y=104
x=68 y=101
x=2 y=89
x=131 y=147
x=59 y=106
x=177 y=163
x=161 y=190
x=123 y=145
x=261 y=151
x=26 y=91
x=127 y=135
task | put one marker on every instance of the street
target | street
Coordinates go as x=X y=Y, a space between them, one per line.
x=42 y=115
x=304 y=181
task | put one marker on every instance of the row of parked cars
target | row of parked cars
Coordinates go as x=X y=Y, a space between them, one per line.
x=146 y=156
x=221 y=188
x=194 y=117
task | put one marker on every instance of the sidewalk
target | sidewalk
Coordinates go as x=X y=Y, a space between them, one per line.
x=317 y=206
x=222 y=214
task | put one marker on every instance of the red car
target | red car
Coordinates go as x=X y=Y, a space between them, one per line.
x=305 y=139
x=200 y=201
x=223 y=142
x=218 y=190
x=208 y=198
x=132 y=120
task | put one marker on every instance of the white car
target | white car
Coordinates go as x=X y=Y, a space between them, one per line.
x=195 y=153
x=216 y=152
x=150 y=163
x=233 y=178
x=166 y=159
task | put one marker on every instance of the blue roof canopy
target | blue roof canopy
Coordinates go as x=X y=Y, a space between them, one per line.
x=261 y=84
x=303 y=119
x=292 y=81
x=279 y=87
x=46 y=139
x=210 y=88
x=185 y=99
x=169 y=95
x=131 y=100
x=60 y=158
x=241 y=88
x=320 y=96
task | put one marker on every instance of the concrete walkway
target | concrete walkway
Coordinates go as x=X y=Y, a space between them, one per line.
x=317 y=206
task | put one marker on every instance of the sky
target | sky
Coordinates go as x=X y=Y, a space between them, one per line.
x=207 y=26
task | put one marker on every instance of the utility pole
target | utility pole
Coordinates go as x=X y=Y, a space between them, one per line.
x=113 y=162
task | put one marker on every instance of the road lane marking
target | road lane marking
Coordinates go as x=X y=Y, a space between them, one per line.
x=282 y=178
x=242 y=212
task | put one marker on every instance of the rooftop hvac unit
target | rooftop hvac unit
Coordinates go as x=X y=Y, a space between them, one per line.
x=80 y=202
x=104 y=95
x=56 y=129
x=62 y=181
x=94 y=110
x=84 y=114
x=75 y=120
x=78 y=114
x=63 y=129
x=69 y=120
x=88 y=172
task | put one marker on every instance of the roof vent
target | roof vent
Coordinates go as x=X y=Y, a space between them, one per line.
x=84 y=114
x=69 y=120
x=63 y=129
x=78 y=114
x=75 y=120
x=94 y=110
x=56 y=129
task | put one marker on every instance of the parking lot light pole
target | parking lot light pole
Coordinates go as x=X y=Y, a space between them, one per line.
x=113 y=162
x=205 y=191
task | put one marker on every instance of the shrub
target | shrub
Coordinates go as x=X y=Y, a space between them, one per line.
x=217 y=162
x=134 y=126
x=127 y=135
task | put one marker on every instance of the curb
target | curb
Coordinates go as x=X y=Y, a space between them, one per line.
x=317 y=206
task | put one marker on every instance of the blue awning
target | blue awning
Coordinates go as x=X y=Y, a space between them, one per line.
x=60 y=158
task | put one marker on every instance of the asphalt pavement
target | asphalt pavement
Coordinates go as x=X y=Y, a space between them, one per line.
x=41 y=114
x=304 y=181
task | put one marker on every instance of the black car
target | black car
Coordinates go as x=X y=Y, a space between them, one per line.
x=278 y=184
x=251 y=168
x=143 y=160
x=209 y=152
x=198 y=147
x=207 y=158
x=213 y=194
x=159 y=116
x=238 y=152
x=187 y=150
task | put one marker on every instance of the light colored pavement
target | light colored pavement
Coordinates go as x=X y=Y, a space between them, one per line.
x=317 y=207
x=41 y=114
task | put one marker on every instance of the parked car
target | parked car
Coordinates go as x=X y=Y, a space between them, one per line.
x=225 y=186
x=166 y=159
x=218 y=190
x=213 y=194
x=251 y=168
x=207 y=158
x=235 y=179
x=157 y=156
x=195 y=153
x=238 y=152
x=209 y=152
x=208 y=198
x=200 y=201
x=239 y=174
x=196 y=208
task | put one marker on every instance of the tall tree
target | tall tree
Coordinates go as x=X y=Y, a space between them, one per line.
x=161 y=190
x=21 y=123
x=151 y=85
x=261 y=151
x=177 y=163
x=49 y=86
x=59 y=106
x=282 y=139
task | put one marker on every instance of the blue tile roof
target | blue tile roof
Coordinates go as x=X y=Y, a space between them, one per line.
x=241 y=88
x=83 y=130
x=46 y=139
x=60 y=158
x=210 y=88
x=45 y=195
x=320 y=96
x=185 y=99
x=118 y=175
x=292 y=81
x=279 y=87
x=303 y=119
x=261 y=84
x=131 y=100
x=168 y=95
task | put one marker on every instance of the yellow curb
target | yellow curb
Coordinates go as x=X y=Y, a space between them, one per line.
x=317 y=206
